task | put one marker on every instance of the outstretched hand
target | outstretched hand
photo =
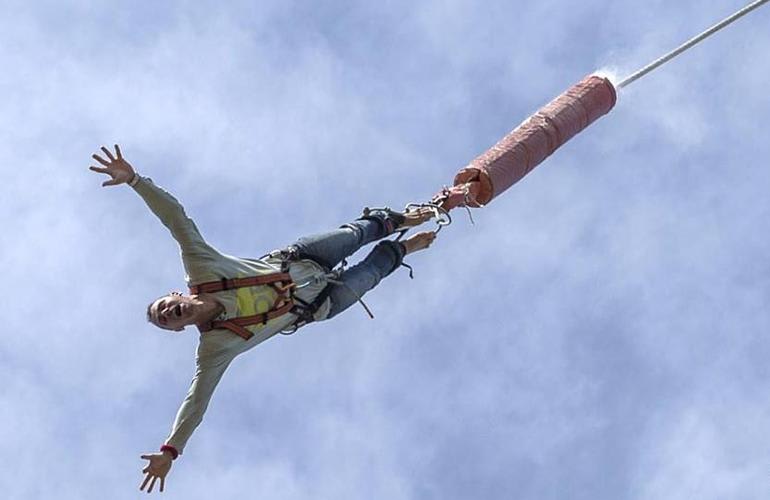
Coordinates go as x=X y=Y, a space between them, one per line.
x=160 y=464
x=117 y=168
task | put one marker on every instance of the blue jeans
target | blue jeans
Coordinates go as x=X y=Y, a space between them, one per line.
x=331 y=248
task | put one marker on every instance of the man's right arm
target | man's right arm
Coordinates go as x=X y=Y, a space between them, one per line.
x=210 y=366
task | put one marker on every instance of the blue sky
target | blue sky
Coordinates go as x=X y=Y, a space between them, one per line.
x=600 y=332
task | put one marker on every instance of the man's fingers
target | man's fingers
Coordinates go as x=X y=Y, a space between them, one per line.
x=108 y=153
x=162 y=483
x=144 y=483
x=111 y=182
x=152 y=483
x=100 y=170
x=100 y=160
x=120 y=157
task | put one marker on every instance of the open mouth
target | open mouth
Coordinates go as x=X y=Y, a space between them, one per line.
x=178 y=311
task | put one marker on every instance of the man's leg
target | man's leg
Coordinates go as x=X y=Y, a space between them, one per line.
x=329 y=249
x=385 y=258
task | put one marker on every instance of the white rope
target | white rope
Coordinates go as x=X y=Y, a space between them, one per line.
x=659 y=62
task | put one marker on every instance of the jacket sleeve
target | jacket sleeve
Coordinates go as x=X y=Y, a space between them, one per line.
x=172 y=215
x=208 y=373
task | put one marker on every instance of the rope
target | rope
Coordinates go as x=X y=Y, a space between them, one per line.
x=690 y=43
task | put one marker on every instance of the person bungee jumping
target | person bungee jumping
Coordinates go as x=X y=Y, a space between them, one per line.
x=237 y=303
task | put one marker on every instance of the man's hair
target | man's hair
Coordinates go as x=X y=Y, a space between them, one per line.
x=149 y=309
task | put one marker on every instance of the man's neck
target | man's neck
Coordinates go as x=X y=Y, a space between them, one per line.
x=210 y=309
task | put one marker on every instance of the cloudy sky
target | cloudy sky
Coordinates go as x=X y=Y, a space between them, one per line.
x=599 y=333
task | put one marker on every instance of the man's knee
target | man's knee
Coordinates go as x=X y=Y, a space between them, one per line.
x=355 y=229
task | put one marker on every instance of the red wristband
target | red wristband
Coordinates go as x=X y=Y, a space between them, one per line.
x=170 y=449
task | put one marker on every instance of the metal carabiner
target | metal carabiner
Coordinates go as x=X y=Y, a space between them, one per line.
x=442 y=216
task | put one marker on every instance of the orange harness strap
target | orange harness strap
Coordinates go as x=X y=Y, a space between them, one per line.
x=237 y=325
x=284 y=303
x=231 y=283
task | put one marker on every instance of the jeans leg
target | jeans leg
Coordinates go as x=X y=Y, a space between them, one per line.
x=330 y=248
x=385 y=258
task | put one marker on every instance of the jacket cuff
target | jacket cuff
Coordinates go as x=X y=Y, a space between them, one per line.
x=170 y=449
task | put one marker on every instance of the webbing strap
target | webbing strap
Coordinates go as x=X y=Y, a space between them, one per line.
x=232 y=283
x=284 y=302
x=237 y=325
x=306 y=310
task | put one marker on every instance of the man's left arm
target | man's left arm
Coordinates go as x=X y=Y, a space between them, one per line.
x=160 y=202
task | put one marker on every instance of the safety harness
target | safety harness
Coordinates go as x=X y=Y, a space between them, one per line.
x=285 y=288
x=281 y=282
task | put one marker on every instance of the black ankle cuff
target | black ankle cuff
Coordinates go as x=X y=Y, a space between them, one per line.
x=397 y=249
x=388 y=220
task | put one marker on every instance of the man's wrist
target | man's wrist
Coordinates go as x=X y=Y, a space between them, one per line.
x=134 y=180
x=170 y=451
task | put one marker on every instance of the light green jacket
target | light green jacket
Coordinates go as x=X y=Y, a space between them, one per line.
x=217 y=348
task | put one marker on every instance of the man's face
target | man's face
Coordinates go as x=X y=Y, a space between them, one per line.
x=172 y=312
